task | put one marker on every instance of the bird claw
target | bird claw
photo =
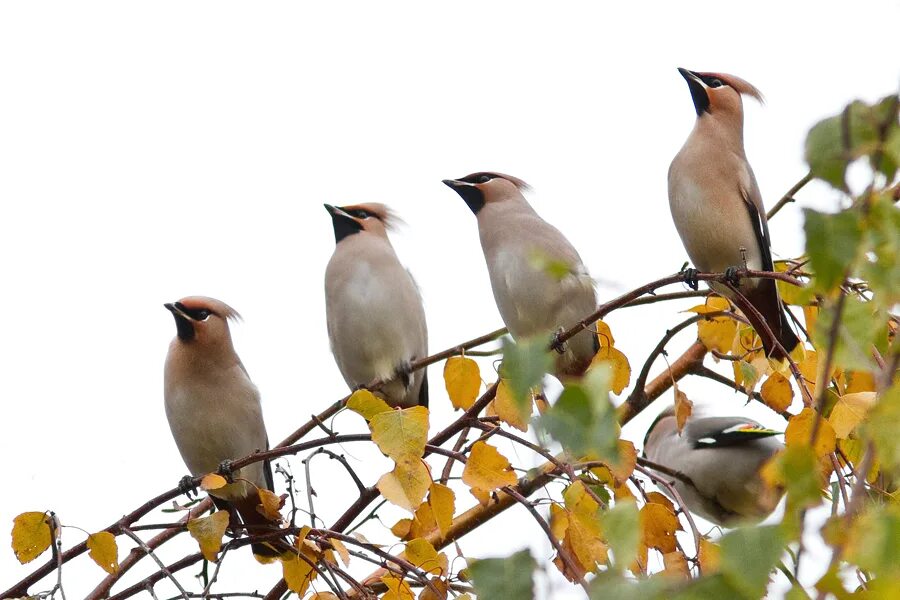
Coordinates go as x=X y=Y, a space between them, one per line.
x=731 y=276
x=690 y=277
x=186 y=486
x=225 y=470
x=556 y=344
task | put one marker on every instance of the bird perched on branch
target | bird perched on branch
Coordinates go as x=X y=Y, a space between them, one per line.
x=540 y=284
x=721 y=457
x=214 y=410
x=717 y=207
x=376 y=321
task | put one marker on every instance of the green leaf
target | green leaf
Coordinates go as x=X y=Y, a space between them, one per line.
x=882 y=268
x=825 y=152
x=524 y=364
x=882 y=427
x=748 y=556
x=832 y=243
x=861 y=326
x=799 y=474
x=705 y=588
x=504 y=577
x=583 y=419
x=608 y=586
x=622 y=530
x=874 y=542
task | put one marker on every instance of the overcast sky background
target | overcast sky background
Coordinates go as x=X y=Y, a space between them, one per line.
x=150 y=151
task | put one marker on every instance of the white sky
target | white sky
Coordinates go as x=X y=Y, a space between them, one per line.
x=153 y=151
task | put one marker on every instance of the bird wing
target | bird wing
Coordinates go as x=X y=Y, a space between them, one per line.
x=753 y=201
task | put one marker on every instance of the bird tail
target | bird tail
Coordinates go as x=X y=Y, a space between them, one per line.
x=764 y=298
x=255 y=523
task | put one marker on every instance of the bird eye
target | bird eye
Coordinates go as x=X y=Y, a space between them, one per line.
x=202 y=314
x=716 y=83
x=484 y=179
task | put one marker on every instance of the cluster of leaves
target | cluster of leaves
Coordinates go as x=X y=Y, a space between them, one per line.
x=611 y=535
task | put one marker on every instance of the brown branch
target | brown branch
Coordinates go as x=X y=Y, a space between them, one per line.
x=789 y=195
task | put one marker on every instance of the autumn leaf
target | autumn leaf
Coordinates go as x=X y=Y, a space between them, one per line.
x=212 y=481
x=442 y=587
x=717 y=333
x=487 y=469
x=582 y=535
x=658 y=498
x=777 y=392
x=624 y=467
x=341 y=549
x=398 y=589
x=507 y=409
x=675 y=565
x=402 y=528
x=208 y=532
x=619 y=367
x=401 y=433
x=297 y=572
x=859 y=381
x=462 y=378
x=658 y=527
x=683 y=408
x=849 y=412
x=423 y=555
x=709 y=556
x=407 y=484
x=483 y=496
x=269 y=504
x=367 y=404
x=31 y=535
x=104 y=551
x=799 y=432
x=442 y=499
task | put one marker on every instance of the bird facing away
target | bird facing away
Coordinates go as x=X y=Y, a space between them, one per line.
x=716 y=203
x=376 y=321
x=722 y=457
x=540 y=284
x=214 y=410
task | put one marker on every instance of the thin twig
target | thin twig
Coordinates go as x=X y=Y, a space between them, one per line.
x=162 y=567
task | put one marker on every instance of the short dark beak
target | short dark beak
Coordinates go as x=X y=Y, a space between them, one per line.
x=182 y=321
x=473 y=196
x=698 y=91
x=331 y=209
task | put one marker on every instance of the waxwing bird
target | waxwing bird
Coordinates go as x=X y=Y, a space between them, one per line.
x=540 y=284
x=214 y=409
x=716 y=203
x=376 y=321
x=721 y=456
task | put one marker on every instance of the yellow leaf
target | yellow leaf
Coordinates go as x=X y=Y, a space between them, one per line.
x=808 y=366
x=623 y=469
x=683 y=408
x=297 y=572
x=487 y=469
x=619 y=367
x=859 y=381
x=777 y=392
x=462 y=378
x=713 y=304
x=507 y=409
x=676 y=565
x=604 y=334
x=849 y=412
x=717 y=333
x=582 y=535
x=854 y=450
x=709 y=557
x=401 y=433
x=367 y=404
x=442 y=500
x=402 y=528
x=559 y=521
x=483 y=496
x=658 y=527
x=442 y=587
x=208 y=532
x=658 y=498
x=31 y=535
x=423 y=555
x=799 y=432
x=269 y=504
x=341 y=549
x=212 y=481
x=398 y=589
x=104 y=551
x=423 y=523
x=323 y=596
x=810 y=315
x=407 y=484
